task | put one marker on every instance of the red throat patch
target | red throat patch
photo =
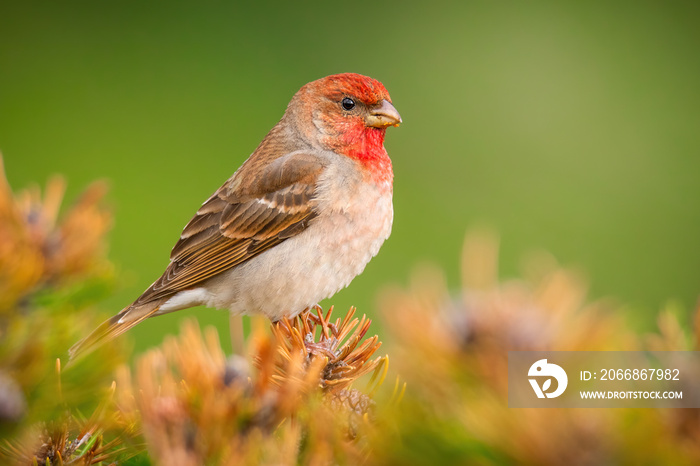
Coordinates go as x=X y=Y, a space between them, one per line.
x=366 y=145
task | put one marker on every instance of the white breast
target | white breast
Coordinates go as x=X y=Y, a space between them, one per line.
x=355 y=218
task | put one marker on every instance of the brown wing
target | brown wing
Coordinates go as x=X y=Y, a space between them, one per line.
x=259 y=207
x=246 y=216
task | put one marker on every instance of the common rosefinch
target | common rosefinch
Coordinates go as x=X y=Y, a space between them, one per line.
x=297 y=221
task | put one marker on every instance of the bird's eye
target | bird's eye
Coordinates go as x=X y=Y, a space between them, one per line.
x=348 y=103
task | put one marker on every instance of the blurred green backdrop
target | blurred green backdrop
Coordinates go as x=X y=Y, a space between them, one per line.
x=572 y=127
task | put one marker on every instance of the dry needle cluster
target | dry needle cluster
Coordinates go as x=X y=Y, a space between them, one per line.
x=52 y=270
x=295 y=403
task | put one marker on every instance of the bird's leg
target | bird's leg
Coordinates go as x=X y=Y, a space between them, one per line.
x=316 y=348
x=235 y=323
x=320 y=347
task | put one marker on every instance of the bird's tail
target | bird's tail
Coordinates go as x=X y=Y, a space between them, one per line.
x=113 y=327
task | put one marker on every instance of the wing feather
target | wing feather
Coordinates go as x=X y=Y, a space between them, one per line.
x=237 y=223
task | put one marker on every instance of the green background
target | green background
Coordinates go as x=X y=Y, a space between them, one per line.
x=572 y=127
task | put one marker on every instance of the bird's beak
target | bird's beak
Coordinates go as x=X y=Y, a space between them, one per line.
x=382 y=115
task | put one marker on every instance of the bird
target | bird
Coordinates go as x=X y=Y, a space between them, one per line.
x=296 y=223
